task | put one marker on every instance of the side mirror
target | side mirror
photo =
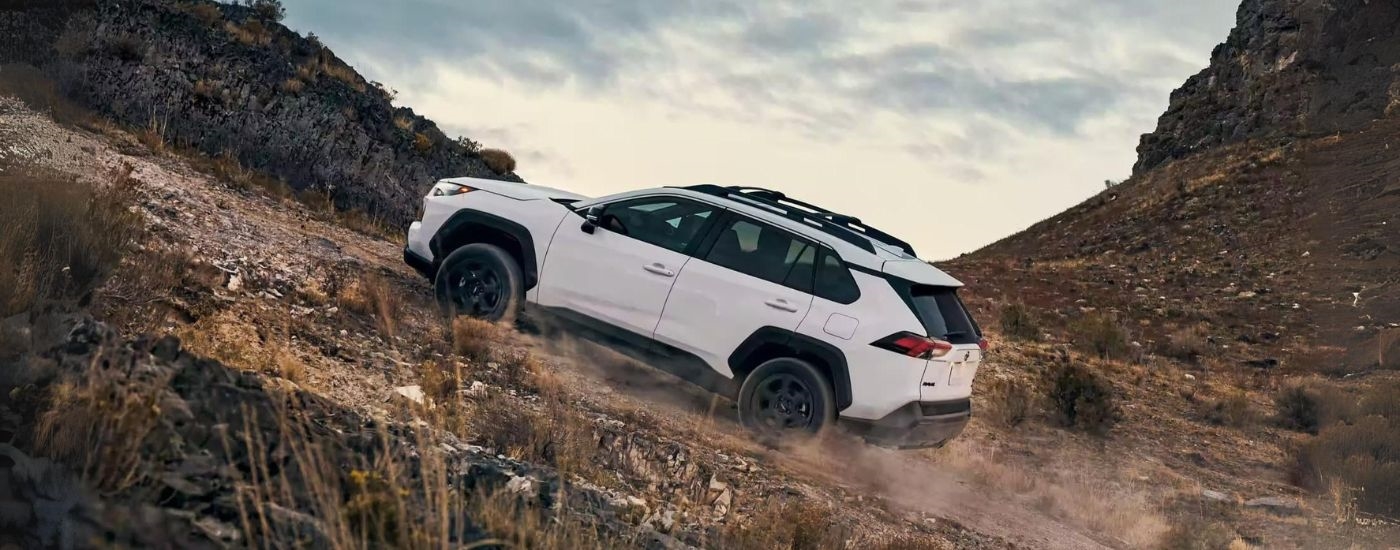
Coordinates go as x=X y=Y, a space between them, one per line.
x=590 y=219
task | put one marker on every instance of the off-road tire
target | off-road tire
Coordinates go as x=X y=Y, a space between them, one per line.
x=480 y=280
x=773 y=396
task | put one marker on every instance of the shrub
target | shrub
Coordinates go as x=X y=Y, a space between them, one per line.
x=1101 y=335
x=1082 y=398
x=498 y=160
x=1364 y=454
x=1197 y=534
x=1230 y=411
x=422 y=143
x=468 y=145
x=127 y=47
x=268 y=10
x=207 y=13
x=251 y=33
x=62 y=237
x=1187 y=344
x=1018 y=323
x=1008 y=403
x=1308 y=406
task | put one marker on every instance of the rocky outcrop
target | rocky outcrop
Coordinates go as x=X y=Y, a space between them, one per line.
x=1289 y=68
x=224 y=80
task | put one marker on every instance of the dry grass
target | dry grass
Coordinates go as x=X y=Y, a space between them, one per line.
x=62 y=237
x=1360 y=452
x=140 y=294
x=373 y=297
x=252 y=33
x=474 y=339
x=1233 y=410
x=41 y=94
x=422 y=143
x=1008 y=403
x=1196 y=533
x=126 y=47
x=98 y=425
x=1018 y=323
x=344 y=73
x=403 y=123
x=293 y=86
x=1187 y=344
x=498 y=160
x=1308 y=405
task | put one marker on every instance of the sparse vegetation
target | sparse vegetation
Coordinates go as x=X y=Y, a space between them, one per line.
x=1018 y=323
x=372 y=296
x=498 y=161
x=1361 y=452
x=127 y=47
x=468 y=145
x=252 y=33
x=422 y=143
x=473 y=338
x=1082 y=398
x=1102 y=335
x=1187 y=344
x=1309 y=405
x=1009 y=403
x=268 y=10
x=1198 y=533
x=1233 y=410
x=62 y=237
x=293 y=86
x=207 y=13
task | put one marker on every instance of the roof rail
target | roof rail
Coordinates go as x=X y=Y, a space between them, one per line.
x=846 y=228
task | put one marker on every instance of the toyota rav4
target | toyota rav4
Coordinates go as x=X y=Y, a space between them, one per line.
x=802 y=315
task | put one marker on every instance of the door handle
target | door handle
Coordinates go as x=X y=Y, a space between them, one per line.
x=779 y=303
x=659 y=269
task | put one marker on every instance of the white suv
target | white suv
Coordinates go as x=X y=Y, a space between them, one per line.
x=800 y=314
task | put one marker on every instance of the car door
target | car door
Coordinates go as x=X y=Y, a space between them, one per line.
x=754 y=275
x=621 y=271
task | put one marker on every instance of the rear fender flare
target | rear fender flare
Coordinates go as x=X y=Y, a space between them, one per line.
x=771 y=342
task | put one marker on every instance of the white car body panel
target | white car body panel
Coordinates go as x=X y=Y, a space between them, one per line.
x=707 y=310
x=713 y=309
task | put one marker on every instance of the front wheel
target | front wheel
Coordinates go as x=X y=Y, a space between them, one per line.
x=786 y=396
x=479 y=280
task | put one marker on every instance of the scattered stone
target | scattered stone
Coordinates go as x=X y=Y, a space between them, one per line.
x=411 y=393
x=235 y=283
x=1277 y=505
x=1215 y=495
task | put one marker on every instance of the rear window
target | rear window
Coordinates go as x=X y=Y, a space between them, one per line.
x=943 y=314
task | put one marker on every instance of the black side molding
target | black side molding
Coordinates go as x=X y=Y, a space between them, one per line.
x=770 y=342
x=474 y=226
x=423 y=266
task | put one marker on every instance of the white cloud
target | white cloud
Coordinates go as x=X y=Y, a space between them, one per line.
x=954 y=123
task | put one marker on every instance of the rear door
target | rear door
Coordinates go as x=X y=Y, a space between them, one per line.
x=622 y=272
x=945 y=318
x=752 y=275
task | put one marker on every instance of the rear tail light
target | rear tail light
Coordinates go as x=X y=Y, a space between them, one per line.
x=982 y=343
x=914 y=345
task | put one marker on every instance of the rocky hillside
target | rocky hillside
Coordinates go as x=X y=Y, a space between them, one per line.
x=229 y=80
x=1265 y=205
x=1289 y=68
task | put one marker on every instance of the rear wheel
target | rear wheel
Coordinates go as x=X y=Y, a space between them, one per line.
x=786 y=396
x=479 y=280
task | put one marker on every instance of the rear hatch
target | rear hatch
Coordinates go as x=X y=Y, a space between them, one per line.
x=945 y=318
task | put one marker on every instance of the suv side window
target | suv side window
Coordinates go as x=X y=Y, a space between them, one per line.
x=763 y=251
x=668 y=222
x=834 y=280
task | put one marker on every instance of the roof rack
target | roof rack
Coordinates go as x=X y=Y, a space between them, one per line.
x=846 y=228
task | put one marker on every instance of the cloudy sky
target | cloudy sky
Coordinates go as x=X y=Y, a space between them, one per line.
x=952 y=123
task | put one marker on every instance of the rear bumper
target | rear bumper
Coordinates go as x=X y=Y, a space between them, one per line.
x=916 y=425
x=420 y=264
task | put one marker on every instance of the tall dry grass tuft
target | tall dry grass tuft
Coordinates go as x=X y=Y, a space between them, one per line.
x=98 y=425
x=1101 y=335
x=474 y=339
x=372 y=296
x=498 y=160
x=62 y=236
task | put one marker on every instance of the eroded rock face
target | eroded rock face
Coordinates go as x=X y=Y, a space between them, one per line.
x=234 y=84
x=1289 y=68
